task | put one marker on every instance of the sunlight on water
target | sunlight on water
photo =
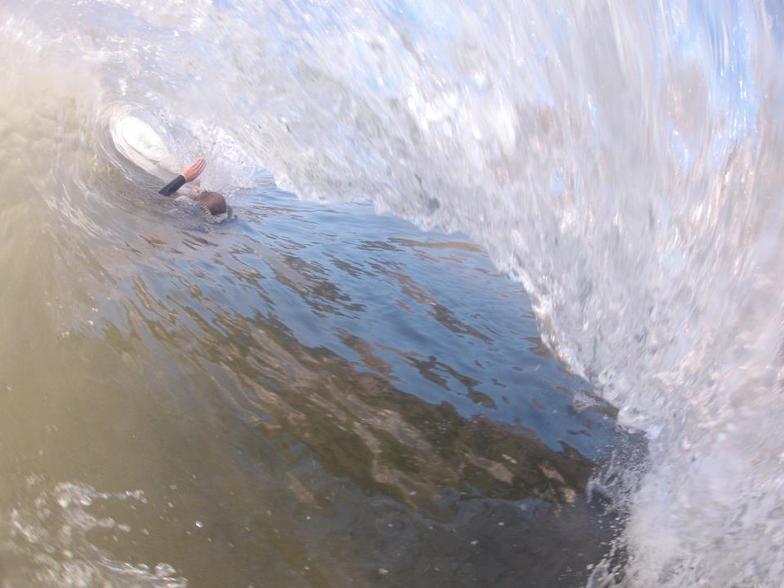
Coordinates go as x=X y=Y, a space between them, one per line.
x=621 y=159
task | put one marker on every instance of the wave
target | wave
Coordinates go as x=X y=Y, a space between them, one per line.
x=621 y=159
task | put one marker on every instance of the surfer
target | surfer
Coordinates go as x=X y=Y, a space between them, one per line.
x=143 y=146
x=212 y=201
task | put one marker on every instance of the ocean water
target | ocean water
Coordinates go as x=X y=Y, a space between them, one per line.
x=309 y=395
x=500 y=305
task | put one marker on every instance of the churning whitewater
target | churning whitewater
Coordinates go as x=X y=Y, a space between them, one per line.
x=622 y=159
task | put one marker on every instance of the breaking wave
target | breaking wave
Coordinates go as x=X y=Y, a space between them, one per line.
x=622 y=159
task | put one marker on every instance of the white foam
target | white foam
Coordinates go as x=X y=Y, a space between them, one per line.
x=142 y=145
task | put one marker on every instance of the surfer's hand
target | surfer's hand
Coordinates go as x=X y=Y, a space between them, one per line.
x=194 y=170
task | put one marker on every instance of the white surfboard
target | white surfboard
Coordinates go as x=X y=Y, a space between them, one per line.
x=140 y=144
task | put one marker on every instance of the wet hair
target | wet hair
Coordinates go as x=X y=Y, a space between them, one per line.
x=213 y=202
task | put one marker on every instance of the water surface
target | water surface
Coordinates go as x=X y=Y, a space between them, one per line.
x=308 y=395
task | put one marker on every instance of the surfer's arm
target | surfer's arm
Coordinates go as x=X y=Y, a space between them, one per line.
x=173 y=186
x=189 y=174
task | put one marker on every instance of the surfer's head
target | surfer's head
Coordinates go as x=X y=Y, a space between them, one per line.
x=213 y=202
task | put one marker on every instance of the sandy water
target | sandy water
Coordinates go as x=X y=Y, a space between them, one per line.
x=305 y=396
